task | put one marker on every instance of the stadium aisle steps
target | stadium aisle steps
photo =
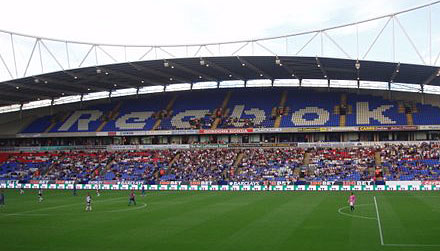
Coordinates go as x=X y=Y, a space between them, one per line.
x=168 y=108
x=170 y=165
x=409 y=119
x=113 y=114
x=156 y=124
x=108 y=166
x=282 y=104
x=238 y=160
x=377 y=159
x=342 y=120
x=101 y=169
x=342 y=117
x=306 y=161
x=54 y=123
x=50 y=168
x=400 y=107
x=223 y=107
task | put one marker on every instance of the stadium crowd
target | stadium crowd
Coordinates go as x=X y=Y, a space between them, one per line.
x=398 y=162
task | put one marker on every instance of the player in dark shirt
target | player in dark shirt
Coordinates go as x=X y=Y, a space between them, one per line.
x=74 y=188
x=2 y=198
x=132 y=199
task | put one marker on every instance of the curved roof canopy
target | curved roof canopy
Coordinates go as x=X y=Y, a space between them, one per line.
x=110 y=78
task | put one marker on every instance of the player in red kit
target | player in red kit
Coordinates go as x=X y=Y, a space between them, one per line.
x=132 y=199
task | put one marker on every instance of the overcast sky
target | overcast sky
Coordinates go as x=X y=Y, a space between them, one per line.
x=168 y=22
x=183 y=21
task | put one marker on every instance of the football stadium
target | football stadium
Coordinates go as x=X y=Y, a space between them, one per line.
x=321 y=139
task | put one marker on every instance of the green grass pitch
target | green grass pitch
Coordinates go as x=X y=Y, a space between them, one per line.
x=170 y=220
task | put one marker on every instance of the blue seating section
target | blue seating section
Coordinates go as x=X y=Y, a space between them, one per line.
x=263 y=99
x=153 y=103
x=199 y=100
x=373 y=103
x=18 y=170
x=425 y=169
x=93 y=125
x=297 y=100
x=427 y=115
x=38 y=125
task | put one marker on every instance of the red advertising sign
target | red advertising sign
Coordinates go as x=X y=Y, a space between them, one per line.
x=226 y=131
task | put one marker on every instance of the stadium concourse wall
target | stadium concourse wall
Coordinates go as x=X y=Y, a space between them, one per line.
x=233 y=186
x=205 y=146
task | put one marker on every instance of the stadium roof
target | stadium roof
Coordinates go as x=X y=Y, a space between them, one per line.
x=134 y=76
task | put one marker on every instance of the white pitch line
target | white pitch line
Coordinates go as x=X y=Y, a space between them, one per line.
x=378 y=222
x=61 y=206
x=354 y=215
x=126 y=209
x=412 y=245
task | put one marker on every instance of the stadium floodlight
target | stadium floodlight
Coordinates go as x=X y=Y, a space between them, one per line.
x=357 y=65
x=17 y=87
x=259 y=83
x=204 y=85
x=67 y=99
x=166 y=64
x=37 y=80
x=151 y=89
x=343 y=83
x=438 y=73
x=98 y=71
x=10 y=108
x=314 y=82
x=202 y=62
x=178 y=87
x=123 y=92
x=286 y=82
x=231 y=84
x=37 y=104
x=278 y=62
x=96 y=95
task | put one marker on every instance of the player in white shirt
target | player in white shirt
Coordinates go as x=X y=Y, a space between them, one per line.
x=40 y=195
x=88 y=202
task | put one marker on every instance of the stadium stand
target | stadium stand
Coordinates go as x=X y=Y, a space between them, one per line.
x=245 y=108
x=399 y=162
